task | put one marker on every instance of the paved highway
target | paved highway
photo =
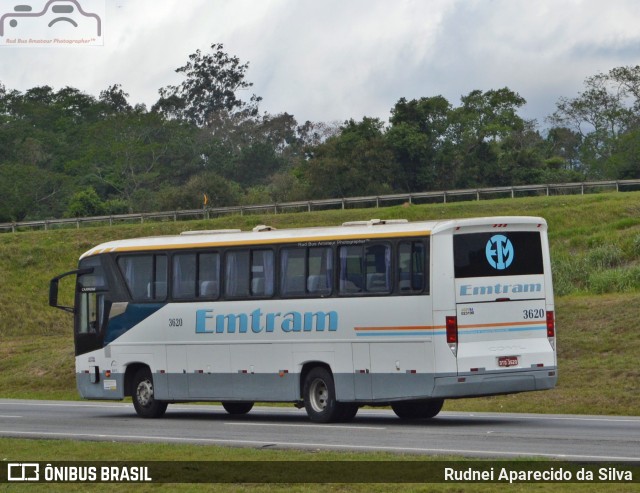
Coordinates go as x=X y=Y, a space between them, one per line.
x=500 y=435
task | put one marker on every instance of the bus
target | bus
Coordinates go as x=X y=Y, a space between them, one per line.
x=380 y=313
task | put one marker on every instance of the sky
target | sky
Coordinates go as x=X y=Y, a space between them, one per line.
x=332 y=60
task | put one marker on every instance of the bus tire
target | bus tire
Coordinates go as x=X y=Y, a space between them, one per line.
x=237 y=408
x=348 y=411
x=319 y=395
x=143 y=398
x=424 y=409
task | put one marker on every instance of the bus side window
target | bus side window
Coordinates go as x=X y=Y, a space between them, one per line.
x=306 y=271
x=195 y=275
x=209 y=275
x=365 y=269
x=319 y=271
x=249 y=273
x=184 y=276
x=237 y=269
x=412 y=264
x=351 y=260
x=158 y=288
x=262 y=273
x=145 y=276
x=378 y=268
x=292 y=271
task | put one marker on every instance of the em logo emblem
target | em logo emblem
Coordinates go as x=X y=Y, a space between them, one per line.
x=499 y=251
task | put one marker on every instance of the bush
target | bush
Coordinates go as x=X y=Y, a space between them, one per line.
x=615 y=280
x=86 y=203
x=570 y=274
x=636 y=246
x=605 y=257
x=116 y=206
x=598 y=271
x=220 y=192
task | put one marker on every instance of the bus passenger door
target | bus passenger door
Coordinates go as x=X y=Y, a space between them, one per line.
x=92 y=306
x=90 y=322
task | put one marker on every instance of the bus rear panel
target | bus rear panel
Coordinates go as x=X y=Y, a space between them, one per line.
x=500 y=324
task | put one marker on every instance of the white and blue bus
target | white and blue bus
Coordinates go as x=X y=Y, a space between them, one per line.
x=377 y=312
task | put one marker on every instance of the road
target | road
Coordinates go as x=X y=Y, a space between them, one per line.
x=500 y=435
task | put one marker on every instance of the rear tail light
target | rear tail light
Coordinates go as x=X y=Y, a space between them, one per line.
x=452 y=330
x=551 y=329
x=452 y=334
x=551 y=325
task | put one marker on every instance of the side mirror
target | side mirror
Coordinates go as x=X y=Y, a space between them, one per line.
x=53 y=288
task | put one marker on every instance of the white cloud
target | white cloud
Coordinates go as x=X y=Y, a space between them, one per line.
x=337 y=59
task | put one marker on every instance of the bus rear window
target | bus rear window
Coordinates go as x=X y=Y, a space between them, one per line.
x=497 y=254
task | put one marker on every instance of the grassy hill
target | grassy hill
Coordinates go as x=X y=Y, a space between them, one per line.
x=595 y=248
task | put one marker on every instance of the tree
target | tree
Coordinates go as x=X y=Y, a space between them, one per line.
x=479 y=126
x=312 y=134
x=417 y=135
x=288 y=187
x=607 y=109
x=28 y=192
x=521 y=158
x=250 y=151
x=115 y=99
x=624 y=164
x=481 y=142
x=563 y=145
x=255 y=164
x=627 y=80
x=208 y=92
x=356 y=162
x=130 y=155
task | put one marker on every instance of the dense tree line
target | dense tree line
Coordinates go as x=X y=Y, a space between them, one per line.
x=67 y=153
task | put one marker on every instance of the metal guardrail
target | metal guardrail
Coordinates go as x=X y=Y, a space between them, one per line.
x=309 y=205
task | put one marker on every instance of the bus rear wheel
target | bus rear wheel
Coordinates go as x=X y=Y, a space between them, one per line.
x=319 y=394
x=143 y=396
x=237 y=408
x=348 y=411
x=424 y=409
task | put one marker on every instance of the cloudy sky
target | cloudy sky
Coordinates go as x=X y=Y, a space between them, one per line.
x=330 y=60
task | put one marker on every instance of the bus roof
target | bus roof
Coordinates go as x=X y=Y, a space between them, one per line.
x=265 y=235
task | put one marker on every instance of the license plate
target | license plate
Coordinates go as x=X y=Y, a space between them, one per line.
x=507 y=361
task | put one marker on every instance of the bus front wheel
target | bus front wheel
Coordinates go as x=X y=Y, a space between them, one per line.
x=143 y=396
x=425 y=409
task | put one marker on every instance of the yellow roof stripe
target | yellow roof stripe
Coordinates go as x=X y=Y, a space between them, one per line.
x=265 y=242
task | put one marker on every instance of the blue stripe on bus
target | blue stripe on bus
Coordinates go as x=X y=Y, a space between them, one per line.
x=462 y=332
x=501 y=329
x=133 y=315
x=396 y=333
